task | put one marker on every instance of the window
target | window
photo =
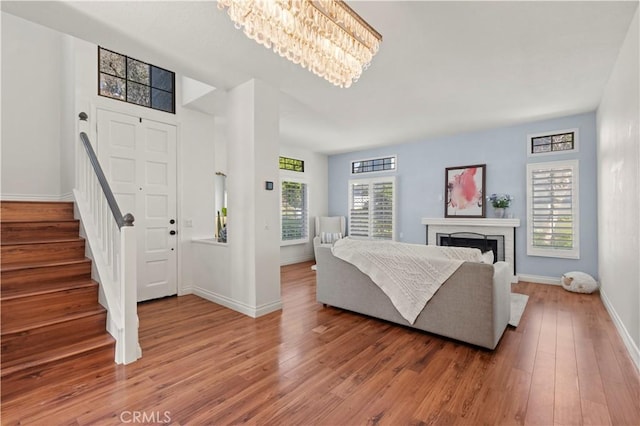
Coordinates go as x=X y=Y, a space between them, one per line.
x=373 y=165
x=552 y=209
x=291 y=164
x=136 y=82
x=372 y=208
x=557 y=142
x=294 y=212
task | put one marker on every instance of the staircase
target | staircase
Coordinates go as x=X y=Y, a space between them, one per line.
x=50 y=311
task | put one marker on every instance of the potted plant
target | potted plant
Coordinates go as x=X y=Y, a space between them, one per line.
x=500 y=203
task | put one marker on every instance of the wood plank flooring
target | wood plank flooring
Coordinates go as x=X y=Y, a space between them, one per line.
x=205 y=364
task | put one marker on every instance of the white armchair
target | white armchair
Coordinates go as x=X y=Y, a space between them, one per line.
x=328 y=230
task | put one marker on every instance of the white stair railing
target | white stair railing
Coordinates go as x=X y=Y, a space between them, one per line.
x=112 y=241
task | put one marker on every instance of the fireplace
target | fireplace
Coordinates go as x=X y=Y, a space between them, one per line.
x=495 y=243
x=498 y=235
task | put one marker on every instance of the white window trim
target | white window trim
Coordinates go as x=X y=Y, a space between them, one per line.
x=575 y=211
x=372 y=173
x=393 y=202
x=576 y=139
x=290 y=176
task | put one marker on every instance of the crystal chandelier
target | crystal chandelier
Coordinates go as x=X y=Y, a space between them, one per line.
x=325 y=36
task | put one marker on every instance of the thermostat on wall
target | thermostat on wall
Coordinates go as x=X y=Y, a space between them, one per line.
x=268 y=186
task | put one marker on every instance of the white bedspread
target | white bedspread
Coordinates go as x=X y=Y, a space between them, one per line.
x=409 y=274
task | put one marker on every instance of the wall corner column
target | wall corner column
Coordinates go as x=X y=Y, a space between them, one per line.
x=253 y=218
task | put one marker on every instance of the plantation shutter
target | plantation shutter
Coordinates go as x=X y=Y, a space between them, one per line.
x=382 y=211
x=294 y=211
x=371 y=209
x=553 y=208
x=359 y=211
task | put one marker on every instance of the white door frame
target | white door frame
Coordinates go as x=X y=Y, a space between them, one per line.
x=147 y=114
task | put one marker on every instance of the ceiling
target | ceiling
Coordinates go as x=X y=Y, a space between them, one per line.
x=443 y=67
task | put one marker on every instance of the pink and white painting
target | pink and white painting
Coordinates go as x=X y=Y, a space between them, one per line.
x=464 y=187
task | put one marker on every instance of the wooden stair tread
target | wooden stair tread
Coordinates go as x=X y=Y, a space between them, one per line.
x=22 y=202
x=43 y=322
x=43 y=264
x=41 y=241
x=15 y=232
x=45 y=287
x=56 y=354
x=43 y=221
x=19 y=211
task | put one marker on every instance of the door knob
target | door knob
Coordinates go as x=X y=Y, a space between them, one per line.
x=172 y=232
x=172 y=221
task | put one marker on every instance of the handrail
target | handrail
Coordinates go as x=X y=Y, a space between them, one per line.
x=113 y=248
x=127 y=219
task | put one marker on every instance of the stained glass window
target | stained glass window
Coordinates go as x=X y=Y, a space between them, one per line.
x=292 y=164
x=552 y=143
x=133 y=81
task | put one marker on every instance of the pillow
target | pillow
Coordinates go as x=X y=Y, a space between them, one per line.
x=330 y=237
x=487 y=257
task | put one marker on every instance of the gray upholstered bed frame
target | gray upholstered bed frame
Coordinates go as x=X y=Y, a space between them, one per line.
x=473 y=305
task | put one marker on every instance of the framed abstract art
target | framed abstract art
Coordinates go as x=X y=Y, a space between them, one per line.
x=464 y=189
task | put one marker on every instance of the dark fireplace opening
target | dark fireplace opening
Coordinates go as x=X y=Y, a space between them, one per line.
x=495 y=243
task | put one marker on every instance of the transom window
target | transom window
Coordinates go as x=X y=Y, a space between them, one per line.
x=553 y=142
x=552 y=209
x=136 y=82
x=373 y=165
x=292 y=164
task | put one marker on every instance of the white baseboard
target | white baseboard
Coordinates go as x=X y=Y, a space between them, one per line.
x=183 y=291
x=243 y=308
x=632 y=348
x=539 y=279
x=36 y=197
x=267 y=308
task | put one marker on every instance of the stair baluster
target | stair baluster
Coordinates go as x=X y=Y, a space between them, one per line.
x=112 y=240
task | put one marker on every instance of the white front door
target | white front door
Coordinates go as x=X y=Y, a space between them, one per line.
x=139 y=160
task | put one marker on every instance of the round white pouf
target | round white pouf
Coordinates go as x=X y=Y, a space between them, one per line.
x=579 y=282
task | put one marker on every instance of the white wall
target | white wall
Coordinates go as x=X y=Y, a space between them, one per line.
x=266 y=203
x=220 y=145
x=315 y=174
x=619 y=192
x=253 y=285
x=196 y=191
x=32 y=93
x=68 y=118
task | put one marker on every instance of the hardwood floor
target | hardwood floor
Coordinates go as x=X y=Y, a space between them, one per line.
x=205 y=364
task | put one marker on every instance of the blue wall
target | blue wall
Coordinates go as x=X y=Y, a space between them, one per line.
x=420 y=183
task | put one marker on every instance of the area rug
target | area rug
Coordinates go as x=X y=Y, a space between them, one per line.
x=518 y=303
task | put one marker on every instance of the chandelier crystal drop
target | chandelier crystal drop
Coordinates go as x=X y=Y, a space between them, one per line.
x=325 y=36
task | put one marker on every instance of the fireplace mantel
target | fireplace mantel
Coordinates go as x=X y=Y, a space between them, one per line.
x=466 y=221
